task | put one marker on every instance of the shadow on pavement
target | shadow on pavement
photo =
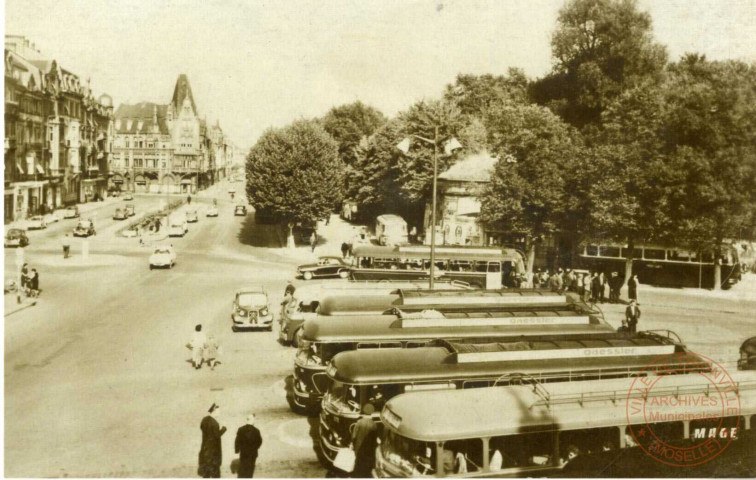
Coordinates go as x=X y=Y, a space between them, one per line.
x=257 y=234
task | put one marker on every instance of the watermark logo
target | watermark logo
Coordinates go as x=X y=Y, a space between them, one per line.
x=659 y=406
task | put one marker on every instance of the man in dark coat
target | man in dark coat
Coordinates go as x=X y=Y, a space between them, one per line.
x=632 y=315
x=365 y=437
x=211 y=453
x=248 y=442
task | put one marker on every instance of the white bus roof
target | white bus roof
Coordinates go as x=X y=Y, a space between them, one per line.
x=444 y=415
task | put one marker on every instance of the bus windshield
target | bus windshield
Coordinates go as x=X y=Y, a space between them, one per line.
x=413 y=457
x=344 y=398
x=309 y=353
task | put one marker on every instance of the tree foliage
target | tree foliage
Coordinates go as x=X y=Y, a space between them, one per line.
x=294 y=173
x=601 y=48
x=350 y=125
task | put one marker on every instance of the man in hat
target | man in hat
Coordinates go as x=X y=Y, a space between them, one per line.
x=632 y=315
x=211 y=453
x=248 y=442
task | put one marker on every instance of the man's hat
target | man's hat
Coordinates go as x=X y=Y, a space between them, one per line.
x=213 y=408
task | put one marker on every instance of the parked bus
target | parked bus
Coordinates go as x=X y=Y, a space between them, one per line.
x=360 y=382
x=532 y=430
x=480 y=267
x=391 y=230
x=324 y=337
x=307 y=301
x=664 y=266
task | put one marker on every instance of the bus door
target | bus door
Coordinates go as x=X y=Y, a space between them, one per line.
x=493 y=276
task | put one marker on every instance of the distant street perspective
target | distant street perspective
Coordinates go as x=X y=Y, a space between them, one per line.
x=316 y=246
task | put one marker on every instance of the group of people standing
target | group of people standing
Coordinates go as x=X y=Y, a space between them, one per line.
x=247 y=443
x=29 y=281
x=591 y=286
x=205 y=349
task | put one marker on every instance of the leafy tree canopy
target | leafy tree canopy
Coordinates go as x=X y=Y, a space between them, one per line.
x=351 y=124
x=295 y=173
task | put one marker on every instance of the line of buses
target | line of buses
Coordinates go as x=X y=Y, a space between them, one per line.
x=469 y=383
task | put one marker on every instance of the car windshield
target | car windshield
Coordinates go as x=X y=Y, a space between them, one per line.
x=252 y=299
x=162 y=251
x=84 y=224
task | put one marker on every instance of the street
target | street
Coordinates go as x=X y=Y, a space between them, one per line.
x=98 y=380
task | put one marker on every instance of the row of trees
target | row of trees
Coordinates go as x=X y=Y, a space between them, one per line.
x=615 y=143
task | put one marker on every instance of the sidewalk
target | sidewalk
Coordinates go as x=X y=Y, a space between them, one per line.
x=330 y=238
x=12 y=306
x=84 y=208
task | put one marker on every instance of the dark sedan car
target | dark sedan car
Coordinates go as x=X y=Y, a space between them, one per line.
x=326 y=267
x=16 y=237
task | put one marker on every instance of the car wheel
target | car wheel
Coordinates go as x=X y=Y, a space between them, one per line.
x=234 y=329
x=343 y=274
x=307 y=275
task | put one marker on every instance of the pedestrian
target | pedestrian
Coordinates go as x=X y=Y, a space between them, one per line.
x=344 y=250
x=248 y=442
x=602 y=287
x=289 y=290
x=189 y=199
x=66 y=246
x=313 y=241
x=157 y=225
x=632 y=288
x=25 y=277
x=211 y=451
x=33 y=283
x=623 y=328
x=365 y=437
x=197 y=346
x=211 y=351
x=615 y=286
x=595 y=288
x=632 y=315
x=586 y=287
x=413 y=234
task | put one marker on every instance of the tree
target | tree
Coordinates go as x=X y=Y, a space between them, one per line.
x=526 y=193
x=294 y=173
x=601 y=48
x=351 y=124
x=475 y=95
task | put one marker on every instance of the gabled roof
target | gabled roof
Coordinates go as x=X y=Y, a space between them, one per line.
x=476 y=167
x=180 y=92
x=143 y=112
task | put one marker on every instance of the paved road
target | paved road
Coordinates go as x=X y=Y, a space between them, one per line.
x=97 y=379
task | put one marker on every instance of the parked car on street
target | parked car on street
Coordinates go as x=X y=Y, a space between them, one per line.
x=177 y=226
x=326 y=267
x=128 y=197
x=37 y=222
x=16 y=237
x=52 y=218
x=240 y=210
x=120 y=214
x=212 y=212
x=251 y=310
x=130 y=209
x=191 y=215
x=71 y=212
x=85 y=228
x=164 y=256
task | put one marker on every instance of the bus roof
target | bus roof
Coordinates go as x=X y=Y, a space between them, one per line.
x=388 y=327
x=443 y=415
x=441 y=253
x=611 y=353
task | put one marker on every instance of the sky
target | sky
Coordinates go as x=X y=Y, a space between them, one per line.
x=254 y=65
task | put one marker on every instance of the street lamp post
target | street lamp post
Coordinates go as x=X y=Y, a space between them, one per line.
x=450 y=146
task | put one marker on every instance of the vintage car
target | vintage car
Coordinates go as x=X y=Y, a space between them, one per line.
x=37 y=222
x=16 y=237
x=128 y=197
x=191 y=215
x=164 y=256
x=326 y=267
x=120 y=214
x=130 y=209
x=85 y=228
x=251 y=310
x=71 y=212
x=177 y=226
x=240 y=210
x=212 y=212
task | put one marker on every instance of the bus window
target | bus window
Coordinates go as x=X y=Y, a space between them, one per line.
x=494 y=267
x=653 y=254
x=481 y=266
x=527 y=449
x=607 y=251
x=463 y=456
x=587 y=442
x=500 y=449
x=367 y=345
x=707 y=257
x=664 y=431
x=637 y=252
x=591 y=250
x=678 y=255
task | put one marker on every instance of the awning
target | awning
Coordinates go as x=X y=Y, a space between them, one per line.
x=40 y=169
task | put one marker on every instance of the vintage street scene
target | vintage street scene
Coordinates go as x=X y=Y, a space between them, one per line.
x=354 y=239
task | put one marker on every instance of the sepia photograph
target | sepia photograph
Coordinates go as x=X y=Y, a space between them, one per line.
x=379 y=238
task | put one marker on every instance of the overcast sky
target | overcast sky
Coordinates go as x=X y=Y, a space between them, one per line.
x=256 y=64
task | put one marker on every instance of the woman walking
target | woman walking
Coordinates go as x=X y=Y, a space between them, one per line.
x=632 y=288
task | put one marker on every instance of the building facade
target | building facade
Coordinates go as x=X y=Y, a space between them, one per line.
x=165 y=148
x=57 y=135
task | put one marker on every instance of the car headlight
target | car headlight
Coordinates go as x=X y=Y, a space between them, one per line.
x=241 y=312
x=264 y=311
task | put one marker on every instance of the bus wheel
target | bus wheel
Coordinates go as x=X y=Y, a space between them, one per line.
x=343 y=274
x=307 y=275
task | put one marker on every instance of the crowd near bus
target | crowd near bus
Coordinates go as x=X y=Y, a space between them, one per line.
x=495 y=373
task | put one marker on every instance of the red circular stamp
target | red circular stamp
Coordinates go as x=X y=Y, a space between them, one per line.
x=683 y=410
